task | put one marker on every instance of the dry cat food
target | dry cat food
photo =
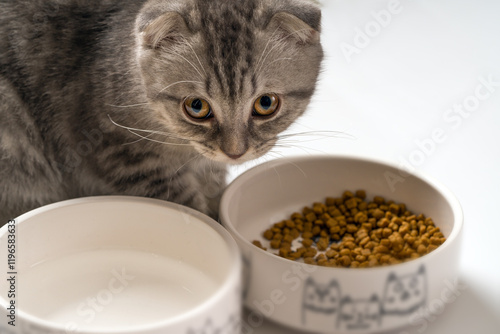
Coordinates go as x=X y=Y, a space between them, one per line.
x=350 y=231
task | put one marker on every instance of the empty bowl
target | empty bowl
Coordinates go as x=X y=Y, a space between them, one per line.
x=118 y=265
x=333 y=299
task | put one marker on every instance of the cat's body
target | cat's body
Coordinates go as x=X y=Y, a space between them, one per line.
x=108 y=97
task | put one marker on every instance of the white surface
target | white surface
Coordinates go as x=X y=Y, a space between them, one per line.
x=399 y=90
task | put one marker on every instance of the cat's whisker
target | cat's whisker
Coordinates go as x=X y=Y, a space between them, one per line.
x=291 y=163
x=156 y=141
x=292 y=145
x=294 y=142
x=279 y=44
x=272 y=38
x=288 y=146
x=196 y=156
x=141 y=138
x=135 y=131
x=293 y=33
x=179 y=82
x=140 y=130
x=274 y=155
x=187 y=60
x=320 y=134
x=286 y=141
x=127 y=106
x=276 y=60
x=265 y=48
x=194 y=52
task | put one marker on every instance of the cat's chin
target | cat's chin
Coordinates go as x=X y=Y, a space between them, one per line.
x=225 y=159
x=231 y=161
x=218 y=155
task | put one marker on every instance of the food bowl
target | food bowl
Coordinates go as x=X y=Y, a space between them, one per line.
x=339 y=300
x=118 y=265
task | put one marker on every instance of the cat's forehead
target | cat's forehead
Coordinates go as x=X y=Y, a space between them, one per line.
x=240 y=8
x=228 y=30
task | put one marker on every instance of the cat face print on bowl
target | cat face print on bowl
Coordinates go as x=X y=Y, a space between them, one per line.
x=338 y=300
x=117 y=264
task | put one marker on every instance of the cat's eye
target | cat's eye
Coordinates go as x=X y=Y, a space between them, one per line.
x=197 y=108
x=266 y=105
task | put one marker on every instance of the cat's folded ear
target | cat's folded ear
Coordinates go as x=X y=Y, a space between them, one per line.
x=166 y=29
x=299 y=20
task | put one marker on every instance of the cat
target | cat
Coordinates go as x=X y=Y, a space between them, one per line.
x=150 y=98
x=321 y=302
x=404 y=294
x=359 y=314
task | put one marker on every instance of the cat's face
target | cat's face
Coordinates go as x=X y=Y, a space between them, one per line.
x=321 y=298
x=229 y=76
x=404 y=294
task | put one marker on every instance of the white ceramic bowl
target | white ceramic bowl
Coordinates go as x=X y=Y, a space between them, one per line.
x=118 y=265
x=338 y=300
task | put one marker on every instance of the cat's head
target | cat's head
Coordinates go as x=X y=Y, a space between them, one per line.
x=321 y=298
x=229 y=76
x=404 y=294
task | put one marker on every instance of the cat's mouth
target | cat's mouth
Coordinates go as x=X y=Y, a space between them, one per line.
x=228 y=156
x=232 y=158
x=220 y=156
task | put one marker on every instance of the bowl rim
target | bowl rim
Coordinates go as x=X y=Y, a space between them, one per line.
x=427 y=179
x=231 y=280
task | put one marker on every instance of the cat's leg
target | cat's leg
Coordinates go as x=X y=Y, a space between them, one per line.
x=27 y=178
x=212 y=178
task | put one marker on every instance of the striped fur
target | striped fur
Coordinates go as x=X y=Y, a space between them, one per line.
x=91 y=94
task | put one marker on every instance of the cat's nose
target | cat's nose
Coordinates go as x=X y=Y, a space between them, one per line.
x=235 y=149
x=234 y=142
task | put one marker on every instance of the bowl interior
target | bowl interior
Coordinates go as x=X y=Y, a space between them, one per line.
x=271 y=192
x=89 y=263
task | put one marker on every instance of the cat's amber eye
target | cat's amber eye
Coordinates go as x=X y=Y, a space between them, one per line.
x=266 y=105
x=197 y=108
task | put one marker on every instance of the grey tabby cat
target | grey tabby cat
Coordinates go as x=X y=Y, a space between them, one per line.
x=148 y=98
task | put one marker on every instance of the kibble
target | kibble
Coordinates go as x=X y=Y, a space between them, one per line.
x=350 y=231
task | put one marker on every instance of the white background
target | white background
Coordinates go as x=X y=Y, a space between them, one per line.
x=387 y=92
